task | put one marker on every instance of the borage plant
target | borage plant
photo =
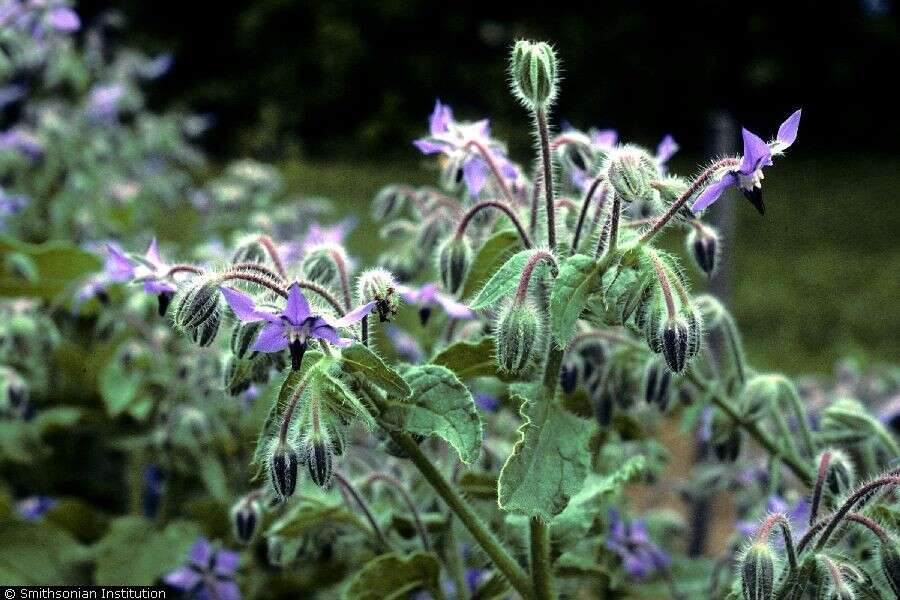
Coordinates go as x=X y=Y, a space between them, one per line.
x=544 y=297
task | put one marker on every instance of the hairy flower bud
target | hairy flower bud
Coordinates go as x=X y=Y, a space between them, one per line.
x=534 y=69
x=198 y=305
x=454 y=257
x=759 y=395
x=840 y=478
x=758 y=572
x=703 y=245
x=630 y=171
x=250 y=251
x=242 y=337
x=283 y=468
x=319 y=458
x=726 y=439
x=235 y=377
x=378 y=285
x=568 y=376
x=517 y=333
x=204 y=334
x=320 y=266
x=245 y=516
x=657 y=381
x=675 y=337
x=890 y=564
x=602 y=403
x=389 y=202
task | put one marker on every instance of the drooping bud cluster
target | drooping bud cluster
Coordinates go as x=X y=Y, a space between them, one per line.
x=320 y=265
x=283 y=468
x=630 y=170
x=250 y=250
x=534 y=70
x=518 y=332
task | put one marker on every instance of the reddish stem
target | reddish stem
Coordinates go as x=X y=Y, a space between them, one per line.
x=533 y=260
x=501 y=206
x=267 y=243
x=489 y=159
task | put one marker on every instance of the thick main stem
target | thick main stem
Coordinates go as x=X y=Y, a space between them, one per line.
x=485 y=538
x=541 y=568
x=540 y=115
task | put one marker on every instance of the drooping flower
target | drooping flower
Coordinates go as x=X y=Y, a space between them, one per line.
x=666 y=149
x=455 y=140
x=603 y=139
x=33 y=508
x=208 y=573
x=428 y=296
x=293 y=327
x=408 y=349
x=487 y=402
x=103 y=101
x=63 y=19
x=748 y=175
x=640 y=556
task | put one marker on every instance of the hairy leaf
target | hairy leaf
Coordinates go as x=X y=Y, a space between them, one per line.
x=548 y=463
x=489 y=258
x=578 y=278
x=135 y=552
x=472 y=359
x=439 y=405
x=393 y=576
x=359 y=359
x=37 y=554
x=310 y=515
x=502 y=283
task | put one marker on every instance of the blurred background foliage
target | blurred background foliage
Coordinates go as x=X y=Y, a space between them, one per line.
x=335 y=92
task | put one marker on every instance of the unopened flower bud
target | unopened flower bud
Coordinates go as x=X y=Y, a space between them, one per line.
x=534 y=69
x=630 y=170
x=758 y=572
x=378 y=285
x=726 y=439
x=694 y=322
x=283 y=468
x=568 y=376
x=602 y=403
x=319 y=460
x=234 y=377
x=245 y=518
x=389 y=202
x=204 y=334
x=197 y=306
x=654 y=316
x=242 y=337
x=675 y=343
x=760 y=394
x=320 y=266
x=517 y=333
x=703 y=245
x=840 y=478
x=454 y=257
x=250 y=251
x=890 y=564
x=657 y=381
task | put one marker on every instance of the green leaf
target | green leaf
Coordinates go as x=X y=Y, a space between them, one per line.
x=489 y=258
x=578 y=278
x=42 y=271
x=548 y=463
x=359 y=359
x=341 y=398
x=118 y=387
x=38 y=554
x=134 y=552
x=439 y=405
x=310 y=515
x=214 y=477
x=472 y=359
x=502 y=283
x=393 y=576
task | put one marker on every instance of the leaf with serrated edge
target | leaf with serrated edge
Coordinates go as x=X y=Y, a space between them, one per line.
x=549 y=462
x=472 y=359
x=392 y=576
x=502 y=283
x=578 y=278
x=439 y=405
x=359 y=359
x=489 y=258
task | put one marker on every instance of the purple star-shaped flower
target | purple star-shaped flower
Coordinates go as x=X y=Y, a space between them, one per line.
x=748 y=176
x=293 y=327
x=208 y=574
x=428 y=296
x=454 y=140
x=640 y=556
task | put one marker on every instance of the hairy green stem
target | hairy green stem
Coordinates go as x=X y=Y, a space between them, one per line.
x=540 y=116
x=506 y=209
x=585 y=204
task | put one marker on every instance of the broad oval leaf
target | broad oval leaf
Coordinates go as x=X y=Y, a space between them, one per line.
x=393 y=576
x=359 y=359
x=578 y=278
x=439 y=405
x=489 y=258
x=502 y=283
x=42 y=270
x=549 y=462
